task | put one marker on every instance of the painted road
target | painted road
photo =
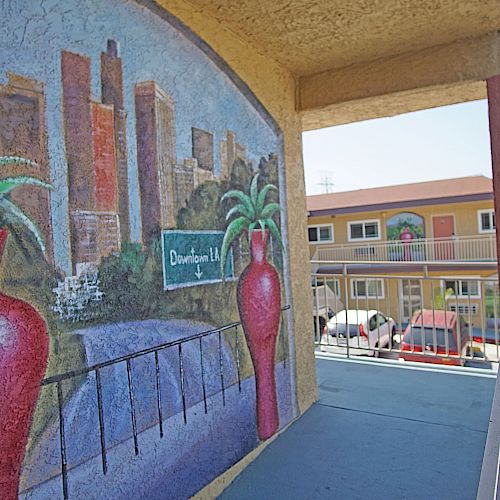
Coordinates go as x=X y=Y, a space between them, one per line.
x=214 y=440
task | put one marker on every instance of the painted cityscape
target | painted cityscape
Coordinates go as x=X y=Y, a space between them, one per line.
x=120 y=149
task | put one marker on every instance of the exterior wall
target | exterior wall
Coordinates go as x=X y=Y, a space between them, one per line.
x=465 y=215
x=277 y=92
x=410 y=81
x=154 y=424
x=466 y=224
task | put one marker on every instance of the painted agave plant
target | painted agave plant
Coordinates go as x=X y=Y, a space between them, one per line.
x=253 y=214
x=10 y=213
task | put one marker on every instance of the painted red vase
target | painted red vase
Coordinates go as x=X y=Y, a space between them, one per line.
x=23 y=359
x=259 y=305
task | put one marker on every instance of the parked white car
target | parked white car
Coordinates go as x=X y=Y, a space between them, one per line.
x=325 y=303
x=364 y=331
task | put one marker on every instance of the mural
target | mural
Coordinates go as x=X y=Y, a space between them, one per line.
x=258 y=295
x=142 y=236
x=406 y=228
x=24 y=344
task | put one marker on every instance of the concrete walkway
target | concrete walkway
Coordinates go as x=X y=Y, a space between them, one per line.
x=379 y=431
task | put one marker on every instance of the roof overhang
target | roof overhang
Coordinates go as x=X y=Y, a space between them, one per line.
x=400 y=204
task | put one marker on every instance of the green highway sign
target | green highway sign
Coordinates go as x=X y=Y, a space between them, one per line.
x=192 y=258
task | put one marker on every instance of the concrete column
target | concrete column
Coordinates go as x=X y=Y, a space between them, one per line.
x=488 y=482
x=493 y=89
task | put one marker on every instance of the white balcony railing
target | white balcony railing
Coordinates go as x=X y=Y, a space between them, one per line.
x=458 y=248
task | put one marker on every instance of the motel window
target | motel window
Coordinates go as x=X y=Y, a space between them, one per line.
x=334 y=286
x=486 y=221
x=320 y=234
x=364 y=230
x=463 y=288
x=367 y=289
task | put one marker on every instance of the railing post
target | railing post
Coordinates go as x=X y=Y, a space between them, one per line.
x=346 y=303
x=316 y=305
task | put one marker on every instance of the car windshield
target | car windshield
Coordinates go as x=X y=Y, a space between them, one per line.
x=418 y=335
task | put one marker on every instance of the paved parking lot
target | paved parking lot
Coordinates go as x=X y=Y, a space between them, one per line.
x=485 y=355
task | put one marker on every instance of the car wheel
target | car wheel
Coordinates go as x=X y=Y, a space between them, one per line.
x=392 y=340
x=322 y=324
x=376 y=352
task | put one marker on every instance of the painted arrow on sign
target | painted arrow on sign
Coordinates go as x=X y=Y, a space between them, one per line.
x=198 y=273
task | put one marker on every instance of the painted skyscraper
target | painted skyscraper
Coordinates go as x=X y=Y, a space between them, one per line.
x=230 y=151
x=92 y=171
x=23 y=133
x=108 y=224
x=112 y=93
x=203 y=148
x=75 y=71
x=156 y=158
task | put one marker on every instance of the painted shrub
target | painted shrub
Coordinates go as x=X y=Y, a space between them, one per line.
x=140 y=128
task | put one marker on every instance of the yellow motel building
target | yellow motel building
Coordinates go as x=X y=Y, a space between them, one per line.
x=398 y=248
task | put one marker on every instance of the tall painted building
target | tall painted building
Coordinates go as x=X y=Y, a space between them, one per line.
x=203 y=148
x=112 y=93
x=75 y=74
x=156 y=158
x=23 y=133
x=108 y=222
x=184 y=183
x=229 y=151
x=92 y=170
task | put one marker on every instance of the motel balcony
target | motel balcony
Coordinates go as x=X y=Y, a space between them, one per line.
x=477 y=248
x=382 y=429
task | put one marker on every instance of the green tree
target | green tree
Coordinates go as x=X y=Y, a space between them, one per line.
x=241 y=175
x=203 y=210
x=441 y=296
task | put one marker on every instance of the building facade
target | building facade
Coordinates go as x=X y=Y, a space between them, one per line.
x=397 y=234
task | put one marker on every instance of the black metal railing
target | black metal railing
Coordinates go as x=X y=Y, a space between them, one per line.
x=58 y=380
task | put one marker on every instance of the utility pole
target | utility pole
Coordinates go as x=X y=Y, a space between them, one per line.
x=327 y=184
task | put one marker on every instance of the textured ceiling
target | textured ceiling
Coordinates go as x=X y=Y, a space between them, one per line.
x=309 y=36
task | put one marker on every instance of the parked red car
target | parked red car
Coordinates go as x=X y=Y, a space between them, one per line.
x=436 y=337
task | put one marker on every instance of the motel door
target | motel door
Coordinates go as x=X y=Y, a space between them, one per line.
x=410 y=293
x=443 y=228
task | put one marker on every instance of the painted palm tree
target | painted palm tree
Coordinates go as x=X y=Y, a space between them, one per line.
x=253 y=214
x=258 y=294
x=10 y=213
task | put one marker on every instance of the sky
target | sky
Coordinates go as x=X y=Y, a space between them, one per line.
x=441 y=143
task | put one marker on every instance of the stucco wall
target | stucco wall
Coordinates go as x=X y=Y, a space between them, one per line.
x=276 y=89
x=421 y=79
x=466 y=223
x=465 y=215
x=137 y=131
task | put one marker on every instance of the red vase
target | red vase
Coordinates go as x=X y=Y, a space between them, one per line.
x=23 y=359
x=259 y=304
